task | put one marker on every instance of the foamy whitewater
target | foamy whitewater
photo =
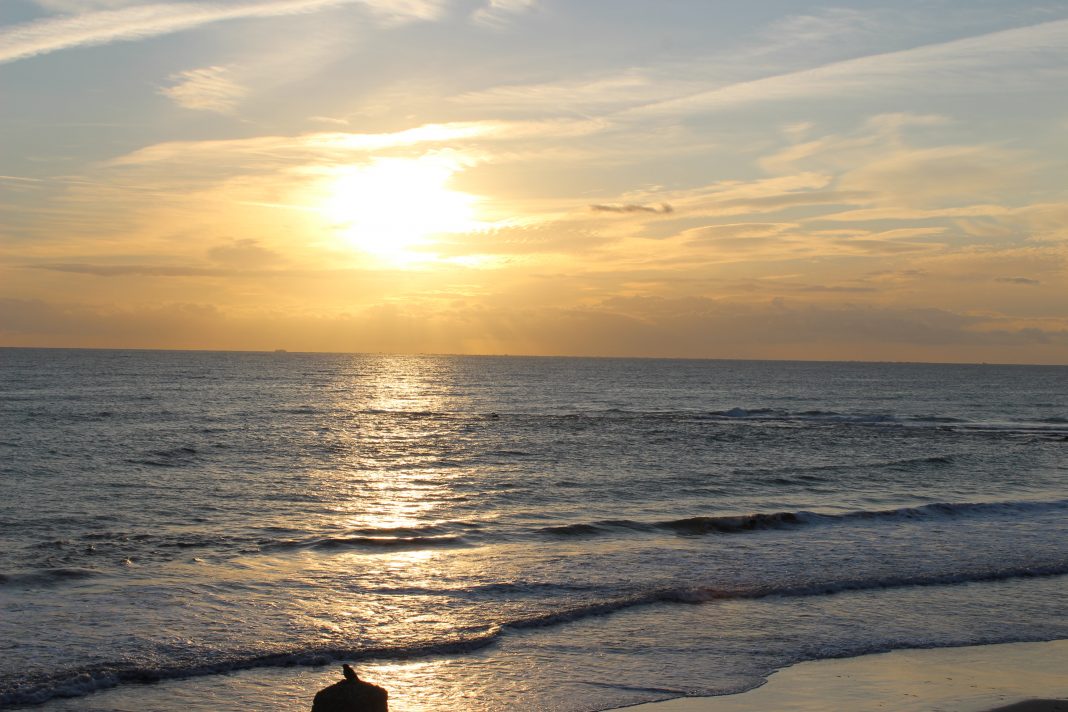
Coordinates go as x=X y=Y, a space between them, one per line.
x=509 y=533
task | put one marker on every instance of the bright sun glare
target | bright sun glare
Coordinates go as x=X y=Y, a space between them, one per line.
x=392 y=206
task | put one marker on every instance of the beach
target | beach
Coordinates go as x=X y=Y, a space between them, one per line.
x=1015 y=677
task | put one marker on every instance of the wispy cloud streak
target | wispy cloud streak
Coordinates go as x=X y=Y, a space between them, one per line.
x=663 y=208
x=205 y=89
x=140 y=22
x=325 y=144
x=981 y=61
x=497 y=13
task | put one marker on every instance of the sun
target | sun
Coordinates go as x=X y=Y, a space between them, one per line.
x=391 y=208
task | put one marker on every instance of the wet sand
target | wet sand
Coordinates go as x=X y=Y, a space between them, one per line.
x=1017 y=677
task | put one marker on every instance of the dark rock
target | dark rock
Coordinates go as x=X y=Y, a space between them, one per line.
x=351 y=695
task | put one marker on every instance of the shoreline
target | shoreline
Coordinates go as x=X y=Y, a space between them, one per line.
x=1002 y=677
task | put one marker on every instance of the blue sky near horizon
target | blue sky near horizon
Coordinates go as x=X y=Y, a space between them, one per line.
x=858 y=180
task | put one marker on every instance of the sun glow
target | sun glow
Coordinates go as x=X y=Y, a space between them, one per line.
x=392 y=207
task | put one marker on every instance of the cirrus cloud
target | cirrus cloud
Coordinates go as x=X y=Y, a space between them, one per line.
x=205 y=89
x=101 y=27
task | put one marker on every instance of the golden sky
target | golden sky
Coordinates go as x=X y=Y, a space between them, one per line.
x=860 y=180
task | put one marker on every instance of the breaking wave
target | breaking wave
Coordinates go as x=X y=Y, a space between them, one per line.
x=429 y=536
x=82 y=681
x=762 y=521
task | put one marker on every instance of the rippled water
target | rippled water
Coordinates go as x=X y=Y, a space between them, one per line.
x=509 y=533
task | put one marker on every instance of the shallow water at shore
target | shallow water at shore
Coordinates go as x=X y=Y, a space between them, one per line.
x=988 y=678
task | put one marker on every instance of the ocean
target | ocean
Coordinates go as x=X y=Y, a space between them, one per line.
x=203 y=531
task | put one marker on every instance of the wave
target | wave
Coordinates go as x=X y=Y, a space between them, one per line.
x=299 y=410
x=509 y=589
x=763 y=521
x=82 y=681
x=929 y=460
x=575 y=529
x=1043 y=427
x=824 y=417
x=78 y=682
x=427 y=536
x=331 y=543
x=803 y=415
x=119 y=547
x=1050 y=426
x=409 y=542
x=816 y=473
x=46 y=577
x=702 y=594
x=174 y=457
x=833 y=417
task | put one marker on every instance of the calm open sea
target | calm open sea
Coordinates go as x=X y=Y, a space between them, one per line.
x=488 y=533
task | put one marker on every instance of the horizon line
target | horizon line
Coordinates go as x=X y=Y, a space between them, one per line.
x=285 y=352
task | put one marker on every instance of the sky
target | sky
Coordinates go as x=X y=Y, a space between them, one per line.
x=663 y=178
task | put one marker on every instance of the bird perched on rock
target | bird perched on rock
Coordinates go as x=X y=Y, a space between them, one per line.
x=351 y=695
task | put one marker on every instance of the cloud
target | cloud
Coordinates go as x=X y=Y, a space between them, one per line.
x=57 y=324
x=517 y=241
x=582 y=94
x=879 y=134
x=662 y=209
x=246 y=253
x=1015 y=58
x=287 y=149
x=205 y=89
x=99 y=27
x=130 y=270
x=74 y=6
x=823 y=26
x=899 y=214
x=835 y=289
x=883 y=174
x=498 y=13
x=758 y=242
x=741 y=239
x=776 y=203
x=783 y=322
x=728 y=198
x=1040 y=221
x=785 y=44
x=337 y=144
x=333 y=120
x=741 y=230
x=735 y=190
x=21 y=179
x=1019 y=280
x=939 y=176
x=633 y=326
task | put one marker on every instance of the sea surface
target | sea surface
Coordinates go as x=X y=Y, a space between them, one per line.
x=216 y=531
